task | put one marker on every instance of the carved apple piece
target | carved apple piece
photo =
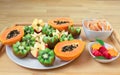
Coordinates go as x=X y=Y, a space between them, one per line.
x=37 y=25
x=38 y=46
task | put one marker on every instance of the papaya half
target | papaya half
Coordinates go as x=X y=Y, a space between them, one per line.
x=69 y=50
x=60 y=23
x=12 y=35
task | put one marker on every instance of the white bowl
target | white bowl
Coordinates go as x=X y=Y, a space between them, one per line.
x=92 y=35
x=102 y=60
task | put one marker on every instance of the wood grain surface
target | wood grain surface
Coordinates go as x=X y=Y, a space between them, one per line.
x=25 y=11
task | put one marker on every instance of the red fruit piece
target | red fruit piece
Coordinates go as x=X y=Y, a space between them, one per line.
x=37 y=31
x=46 y=45
x=102 y=49
x=96 y=53
x=107 y=55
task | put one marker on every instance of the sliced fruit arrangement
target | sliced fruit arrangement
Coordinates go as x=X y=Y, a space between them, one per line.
x=41 y=40
x=20 y=49
x=61 y=23
x=74 y=31
x=100 y=51
x=37 y=47
x=12 y=35
x=69 y=50
x=28 y=30
x=98 y=25
x=51 y=41
x=23 y=46
x=46 y=57
x=65 y=37
x=30 y=41
x=48 y=30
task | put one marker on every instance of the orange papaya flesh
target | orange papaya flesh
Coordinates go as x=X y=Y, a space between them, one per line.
x=69 y=54
x=12 y=35
x=60 y=23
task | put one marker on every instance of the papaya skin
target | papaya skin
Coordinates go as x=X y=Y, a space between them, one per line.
x=13 y=39
x=69 y=55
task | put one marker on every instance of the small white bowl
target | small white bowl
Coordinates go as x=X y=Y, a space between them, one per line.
x=92 y=35
x=89 y=45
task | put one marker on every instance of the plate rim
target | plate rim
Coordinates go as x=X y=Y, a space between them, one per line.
x=29 y=67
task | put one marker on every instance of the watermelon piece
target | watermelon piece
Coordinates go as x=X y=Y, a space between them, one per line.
x=102 y=49
x=107 y=55
x=96 y=53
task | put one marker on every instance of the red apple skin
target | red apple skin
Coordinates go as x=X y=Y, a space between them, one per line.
x=46 y=45
x=37 y=31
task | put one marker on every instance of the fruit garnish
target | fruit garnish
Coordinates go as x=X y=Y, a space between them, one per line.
x=56 y=33
x=99 y=49
x=112 y=52
x=60 y=23
x=46 y=57
x=51 y=41
x=28 y=30
x=20 y=49
x=12 y=35
x=37 y=25
x=96 y=46
x=100 y=57
x=96 y=53
x=48 y=30
x=38 y=46
x=74 y=31
x=65 y=37
x=102 y=49
x=107 y=55
x=100 y=41
x=29 y=40
x=69 y=50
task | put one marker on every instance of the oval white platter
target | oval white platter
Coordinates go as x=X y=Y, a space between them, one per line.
x=33 y=63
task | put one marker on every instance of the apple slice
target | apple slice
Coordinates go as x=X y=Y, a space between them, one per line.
x=34 y=53
x=37 y=25
x=38 y=46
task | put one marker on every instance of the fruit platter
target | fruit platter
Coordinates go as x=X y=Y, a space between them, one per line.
x=58 y=42
x=43 y=45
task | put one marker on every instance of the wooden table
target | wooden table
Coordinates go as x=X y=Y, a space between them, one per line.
x=24 y=11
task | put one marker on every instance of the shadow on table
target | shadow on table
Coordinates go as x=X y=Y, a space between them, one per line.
x=2 y=50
